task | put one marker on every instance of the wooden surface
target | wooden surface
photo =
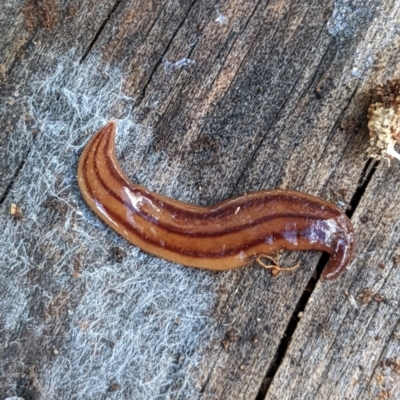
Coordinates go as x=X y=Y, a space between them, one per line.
x=275 y=96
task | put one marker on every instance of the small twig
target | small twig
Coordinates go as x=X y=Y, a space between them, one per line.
x=275 y=267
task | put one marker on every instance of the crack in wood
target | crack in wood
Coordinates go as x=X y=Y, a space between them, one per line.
x=143 y=94
x=227 y=54
x=365 y=178
x=100 y=30
x=22 y=50
x=15 y=176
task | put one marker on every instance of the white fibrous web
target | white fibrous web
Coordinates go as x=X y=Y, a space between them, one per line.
x=104 y=319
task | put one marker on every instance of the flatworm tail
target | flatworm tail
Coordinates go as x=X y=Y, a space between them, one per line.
x=219 y=237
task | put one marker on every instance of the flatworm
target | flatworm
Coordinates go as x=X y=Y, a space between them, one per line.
x=220 y=237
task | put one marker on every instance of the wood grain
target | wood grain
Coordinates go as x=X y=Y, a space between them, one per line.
x=273 y=98
x=34 y=35
x=351 y=348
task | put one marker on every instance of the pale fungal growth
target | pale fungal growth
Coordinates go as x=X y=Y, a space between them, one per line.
x=384 y=121
x=221 y=19
x=169 y=66
x=107 y=329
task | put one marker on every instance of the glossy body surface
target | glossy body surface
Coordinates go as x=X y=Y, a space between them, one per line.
x=224 y=236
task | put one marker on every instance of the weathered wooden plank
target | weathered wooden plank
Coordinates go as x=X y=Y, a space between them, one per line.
x=194 y=128
x=273 y=95
x=351 y=348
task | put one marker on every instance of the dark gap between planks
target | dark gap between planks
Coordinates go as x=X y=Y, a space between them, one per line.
x=365 y=177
